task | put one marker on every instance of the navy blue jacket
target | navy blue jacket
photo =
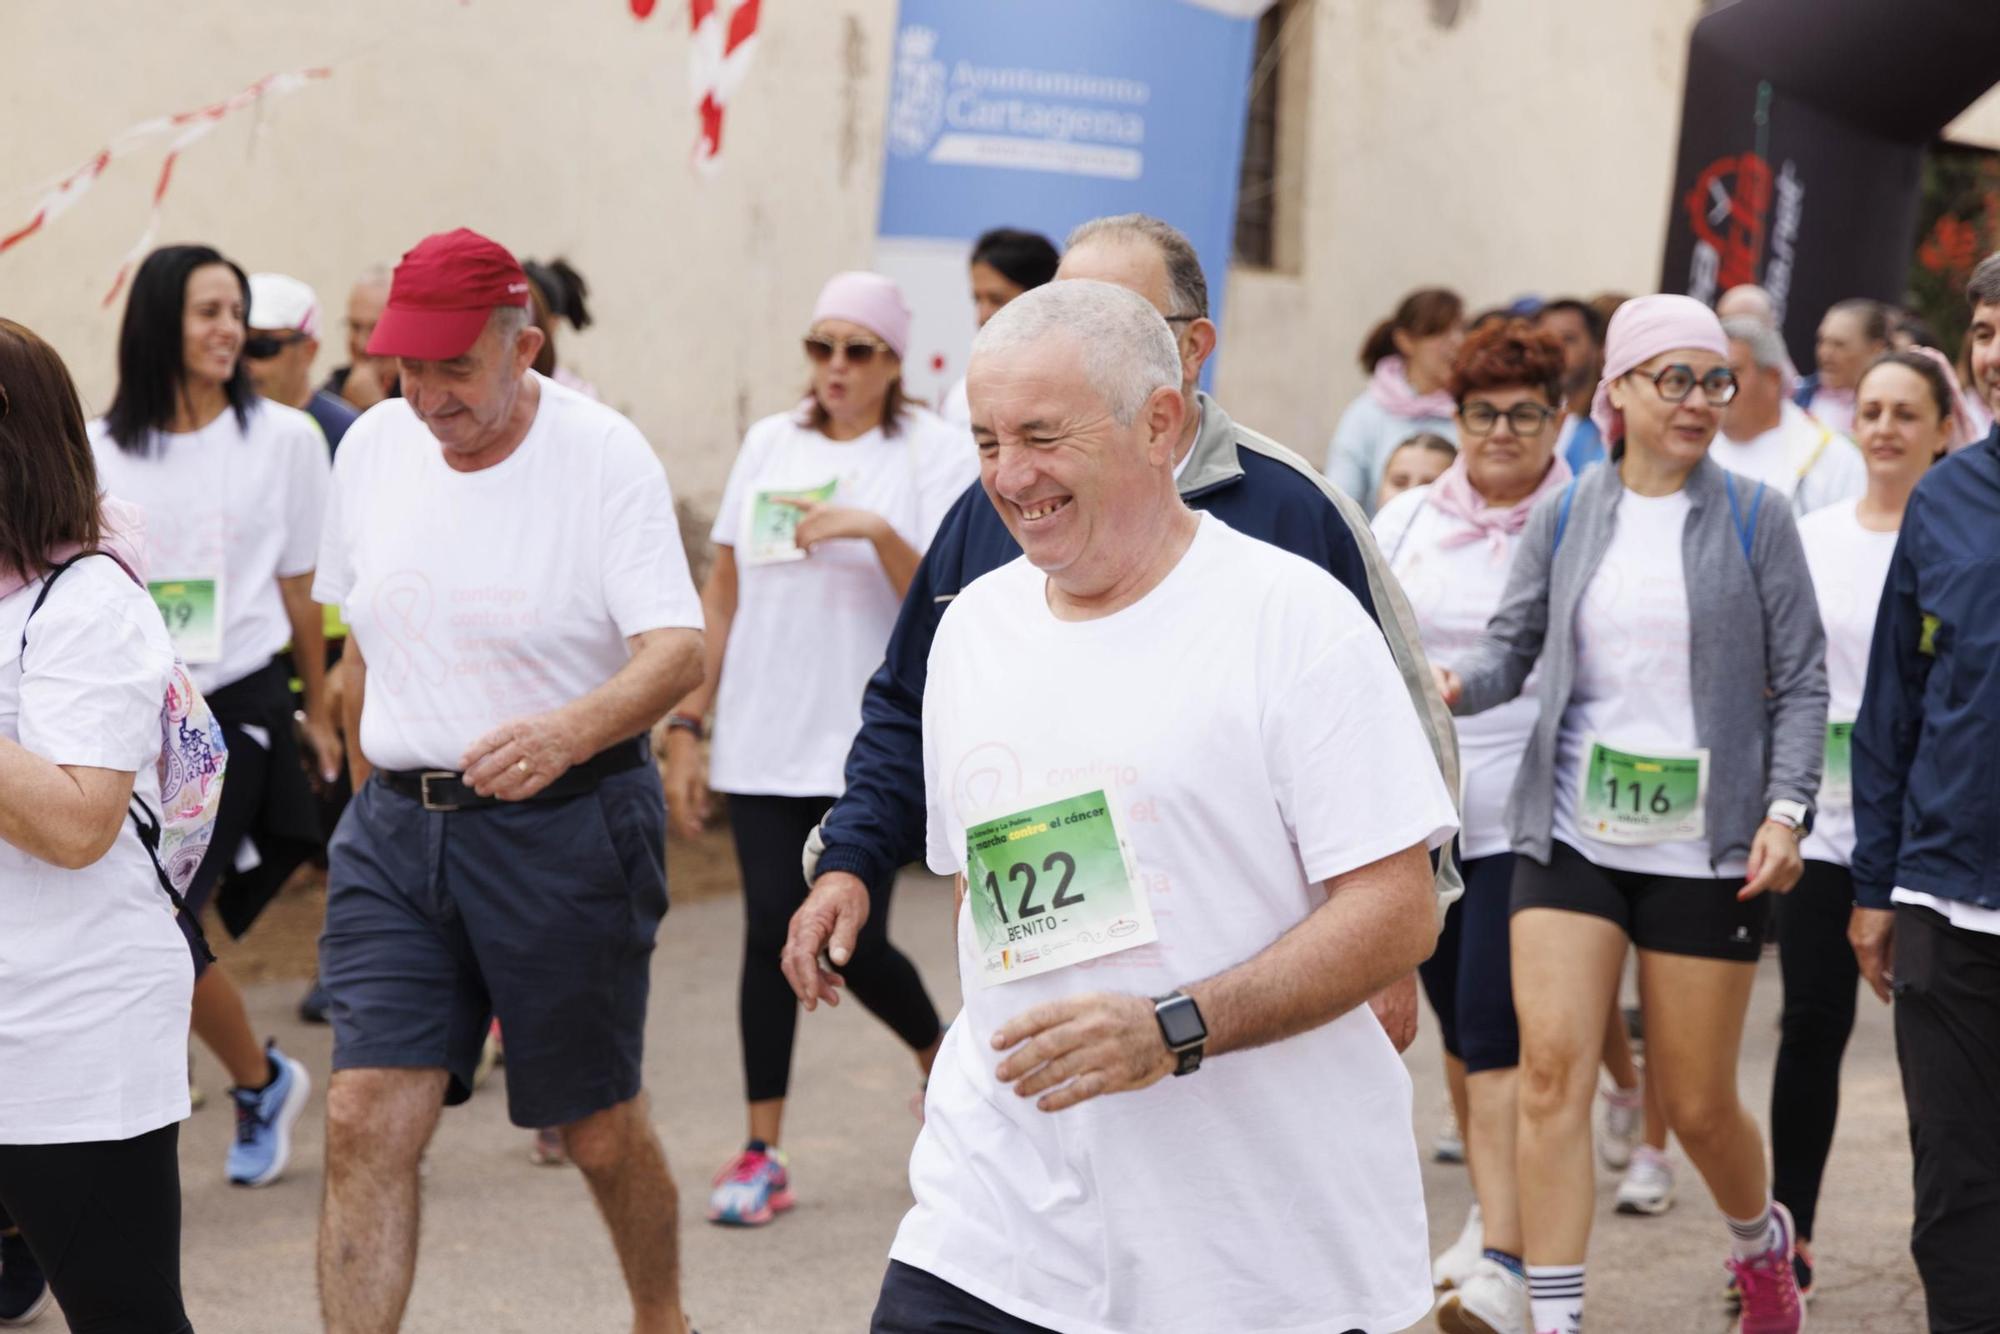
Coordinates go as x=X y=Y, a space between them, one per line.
x=878 y=825
x=1927 y=744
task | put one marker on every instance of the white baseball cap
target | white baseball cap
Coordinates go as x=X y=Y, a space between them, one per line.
x=278 y=301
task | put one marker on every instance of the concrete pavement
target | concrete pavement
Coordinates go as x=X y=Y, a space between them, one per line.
x=510 y=1248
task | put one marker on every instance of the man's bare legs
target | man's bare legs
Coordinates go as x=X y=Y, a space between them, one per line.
x=377 y=1124
x=622 y=1159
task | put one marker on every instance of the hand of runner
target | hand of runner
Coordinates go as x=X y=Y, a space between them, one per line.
x=1072 y=1050
x=827 y=923
x=1448 y=684
x=1872 y=933
x=516 y=760
x=1395 y=1008
x=322 y=740
x=820 y=522
x=1775 y=863
x=686 y=781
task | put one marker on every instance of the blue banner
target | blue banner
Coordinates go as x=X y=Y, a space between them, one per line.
x=1043 y=114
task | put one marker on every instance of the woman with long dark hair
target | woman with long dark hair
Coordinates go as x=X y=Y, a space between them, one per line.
x=94 y=1010
x=1005 y=263
x=232 y=487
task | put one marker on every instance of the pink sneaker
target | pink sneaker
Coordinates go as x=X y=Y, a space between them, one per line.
x=751 y=1189
x=1770 y=1289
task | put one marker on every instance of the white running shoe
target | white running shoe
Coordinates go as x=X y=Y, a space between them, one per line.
x=1648 y=1187
x=1456 y=1262
x=1492 y=1300
x=1623 y=1126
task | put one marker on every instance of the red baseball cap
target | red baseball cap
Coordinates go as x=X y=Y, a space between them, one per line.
x=443 y=292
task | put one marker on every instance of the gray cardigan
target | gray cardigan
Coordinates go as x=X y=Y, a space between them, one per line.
x=1758 y=650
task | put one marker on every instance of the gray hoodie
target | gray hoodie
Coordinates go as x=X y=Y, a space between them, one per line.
x=1757 y=647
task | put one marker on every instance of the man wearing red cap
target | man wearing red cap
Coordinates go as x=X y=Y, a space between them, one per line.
x=507 y=555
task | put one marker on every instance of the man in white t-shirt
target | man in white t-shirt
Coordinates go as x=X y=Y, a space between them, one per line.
x=1139 y=750
x=1768 y=438
x=507 y=556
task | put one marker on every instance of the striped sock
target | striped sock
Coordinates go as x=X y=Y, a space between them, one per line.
x=1752 y=1237
x=1555 y=1297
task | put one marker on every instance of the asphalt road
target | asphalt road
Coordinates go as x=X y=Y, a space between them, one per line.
x=511 y=1248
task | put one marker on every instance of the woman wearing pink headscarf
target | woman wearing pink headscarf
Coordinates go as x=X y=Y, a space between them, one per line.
x=828 y=509
x=1672 y=771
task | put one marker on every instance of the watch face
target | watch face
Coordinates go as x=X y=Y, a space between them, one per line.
x=1181 y=1022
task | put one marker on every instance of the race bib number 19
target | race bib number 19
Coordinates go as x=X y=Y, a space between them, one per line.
x=192 y=609
x=1052 y=886
x=1634 y=799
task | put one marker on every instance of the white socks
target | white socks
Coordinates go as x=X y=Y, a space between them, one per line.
x=1555 y=1298
x=1752 y=1237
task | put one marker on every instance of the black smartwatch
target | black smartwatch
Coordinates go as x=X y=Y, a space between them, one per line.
x=1181 y=1025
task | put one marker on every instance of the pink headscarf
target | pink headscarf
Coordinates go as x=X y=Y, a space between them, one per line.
x=869 y=300
x=1642 y=329
x=1390 y=386
x=124 y=538
x=1454 y=494
x=1964 y=421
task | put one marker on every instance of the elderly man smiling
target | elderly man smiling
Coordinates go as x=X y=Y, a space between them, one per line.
x=1219 y=913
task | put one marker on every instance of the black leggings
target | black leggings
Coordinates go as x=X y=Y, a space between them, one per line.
x=770 y=834
x=1821 y=979
x=104 y=1222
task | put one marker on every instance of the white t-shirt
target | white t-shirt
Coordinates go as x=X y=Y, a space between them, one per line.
x=956 y=407
x=1454 y=590
x=1226 y=716
x=240 y=505
x=95 y=977
x=482 y=597
x=1634 y=687
x=1849 y=565
x=809 y=633
x=1809 y=463
x=1964 y=916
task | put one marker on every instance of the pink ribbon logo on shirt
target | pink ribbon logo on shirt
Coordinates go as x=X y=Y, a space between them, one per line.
x=403 y=605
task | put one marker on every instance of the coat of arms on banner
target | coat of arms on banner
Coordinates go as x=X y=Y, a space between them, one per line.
x=916 y=109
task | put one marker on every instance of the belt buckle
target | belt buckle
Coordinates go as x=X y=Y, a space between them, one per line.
x=424 y=789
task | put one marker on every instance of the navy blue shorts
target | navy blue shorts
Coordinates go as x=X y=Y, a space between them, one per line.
x=1469 y=978
x=542 y=913
x=915 y=1301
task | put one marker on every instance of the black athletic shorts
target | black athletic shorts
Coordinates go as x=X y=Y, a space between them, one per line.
x=1666 y=913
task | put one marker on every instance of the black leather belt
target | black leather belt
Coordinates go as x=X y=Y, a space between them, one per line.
x=446 y=789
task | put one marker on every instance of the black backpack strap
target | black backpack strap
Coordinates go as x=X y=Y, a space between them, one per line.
x=48 y=582
x=148 y=827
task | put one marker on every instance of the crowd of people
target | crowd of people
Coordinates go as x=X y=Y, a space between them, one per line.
x=1651 y=649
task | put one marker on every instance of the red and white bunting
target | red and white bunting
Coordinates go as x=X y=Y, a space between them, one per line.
x=717 y=62
x=186 y=127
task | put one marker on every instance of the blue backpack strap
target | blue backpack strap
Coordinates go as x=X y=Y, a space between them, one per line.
x=1746 y=530
x=1562 y=516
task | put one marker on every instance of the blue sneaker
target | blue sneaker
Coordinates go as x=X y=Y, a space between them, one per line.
x=752 y=1189
x=264 y=1120
x=24 y=1293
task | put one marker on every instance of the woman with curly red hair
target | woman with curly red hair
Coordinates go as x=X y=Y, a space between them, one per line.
x=1451 y=543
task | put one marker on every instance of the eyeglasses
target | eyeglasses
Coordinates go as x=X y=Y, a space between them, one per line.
x=1523 y=419
x=262 y=347
x=858 y=351
x=1677 y=381
x=1181 y=319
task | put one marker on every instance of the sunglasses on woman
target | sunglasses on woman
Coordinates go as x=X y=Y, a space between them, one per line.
x=858 y=351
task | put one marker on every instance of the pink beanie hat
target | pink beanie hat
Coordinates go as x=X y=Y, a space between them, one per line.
x=1964 y=426
x=1642 y=329
x=869 y=300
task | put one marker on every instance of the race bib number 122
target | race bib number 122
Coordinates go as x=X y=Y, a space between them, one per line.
x=1051 y=886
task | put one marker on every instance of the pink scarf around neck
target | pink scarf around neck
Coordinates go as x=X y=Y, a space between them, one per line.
x=124 y=539
x=1390 y=386
x=1453 y=494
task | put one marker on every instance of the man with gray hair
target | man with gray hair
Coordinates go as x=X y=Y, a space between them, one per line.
x=1749 y=302
x=1767 y=437
x=1256 y=486
x=1212 y=899
x=508 y=559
